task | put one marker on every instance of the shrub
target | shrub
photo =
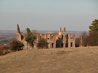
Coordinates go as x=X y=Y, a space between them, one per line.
x=42 y=43
x=16 y=45
x=1 y=51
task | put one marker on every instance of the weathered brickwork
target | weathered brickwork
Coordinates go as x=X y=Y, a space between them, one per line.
x=68 y=40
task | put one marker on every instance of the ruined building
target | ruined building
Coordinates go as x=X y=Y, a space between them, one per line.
x=67 y=40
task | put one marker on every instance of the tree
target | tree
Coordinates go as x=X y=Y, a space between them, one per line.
x=59 y=43
x=30 y=37
x=93 y=34
x=84 y=39
x=93 y=39
x=16 y=45
x=42 y=43
x=94 y=26
x=77 y=41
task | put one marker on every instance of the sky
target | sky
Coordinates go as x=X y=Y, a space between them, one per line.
x=75 y=15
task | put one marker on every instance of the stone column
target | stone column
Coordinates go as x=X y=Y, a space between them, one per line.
x=69 y=43
x=64 y=43
x=73 y=45
x=54 y=45
x=80 y=41
x=64 y=39
x=49 y=45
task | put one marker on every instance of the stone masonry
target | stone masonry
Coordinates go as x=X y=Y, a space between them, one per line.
x=68 y=40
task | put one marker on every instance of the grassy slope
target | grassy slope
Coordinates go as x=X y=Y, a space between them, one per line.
x=74 y=60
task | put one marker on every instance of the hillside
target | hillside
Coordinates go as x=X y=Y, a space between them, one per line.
x=69 y=60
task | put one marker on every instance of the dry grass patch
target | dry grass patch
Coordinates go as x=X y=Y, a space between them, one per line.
x=69 y=60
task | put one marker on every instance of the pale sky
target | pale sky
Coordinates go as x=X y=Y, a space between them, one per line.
x=75 y=15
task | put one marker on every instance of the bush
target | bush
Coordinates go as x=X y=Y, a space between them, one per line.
x=59 y=43
x=77 y=42
x=16 y=45
x=93 y=39
x=42 y=43
x=1 y=52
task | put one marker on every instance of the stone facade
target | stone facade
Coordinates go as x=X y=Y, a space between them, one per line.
x=68 y=40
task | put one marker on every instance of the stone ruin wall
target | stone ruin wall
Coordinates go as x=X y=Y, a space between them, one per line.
x=68 y=39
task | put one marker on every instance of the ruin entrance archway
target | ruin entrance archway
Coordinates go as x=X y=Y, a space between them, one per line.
x=71 y=44
x=52 y=45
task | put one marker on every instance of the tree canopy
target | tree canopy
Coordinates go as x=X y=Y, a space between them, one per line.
x=30 y=37
x=94 y=26
x=59 y=43
x=93 y=36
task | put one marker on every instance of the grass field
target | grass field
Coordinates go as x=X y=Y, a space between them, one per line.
x=68 y=60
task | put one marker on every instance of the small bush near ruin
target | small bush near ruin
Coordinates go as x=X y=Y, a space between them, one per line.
x=16 y=45
x=42 y=43
x=1 y=52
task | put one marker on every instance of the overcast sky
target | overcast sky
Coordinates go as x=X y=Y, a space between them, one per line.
x=75 y=15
